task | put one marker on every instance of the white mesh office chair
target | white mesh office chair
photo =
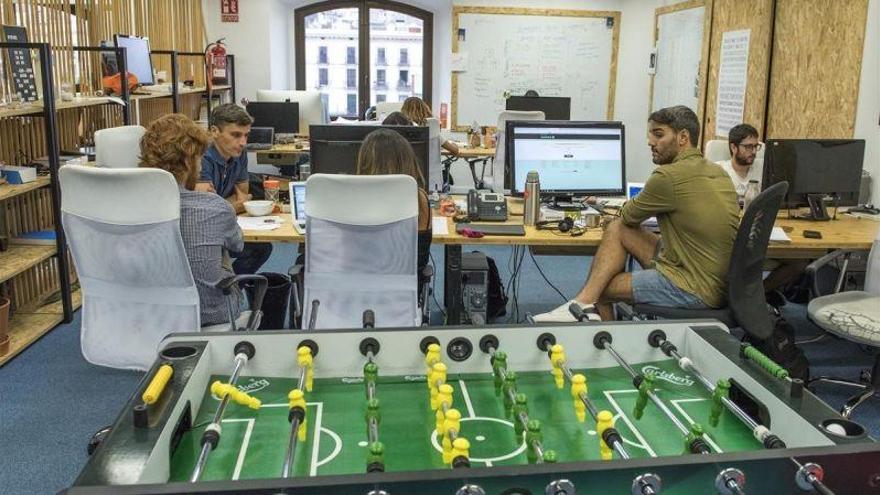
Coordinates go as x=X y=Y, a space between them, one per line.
x=123 y=228
x=362 y=251
x=499 y=171
x=119 y=147
x=851 y=315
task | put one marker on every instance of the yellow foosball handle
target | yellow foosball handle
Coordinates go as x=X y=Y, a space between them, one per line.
x=221 y=390
x=157 y=384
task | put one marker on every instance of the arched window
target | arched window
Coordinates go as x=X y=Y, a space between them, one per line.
x=359 y=52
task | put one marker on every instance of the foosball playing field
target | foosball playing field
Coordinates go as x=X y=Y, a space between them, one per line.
x=642 y=409
x=255 y=442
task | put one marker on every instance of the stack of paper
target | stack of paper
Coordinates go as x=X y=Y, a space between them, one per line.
x=779 y=235
x=259 y=223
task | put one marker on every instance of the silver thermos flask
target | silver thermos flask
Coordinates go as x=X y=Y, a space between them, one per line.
x=532 y=199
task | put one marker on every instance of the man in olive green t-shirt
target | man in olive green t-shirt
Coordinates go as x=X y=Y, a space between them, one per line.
x=696 y=207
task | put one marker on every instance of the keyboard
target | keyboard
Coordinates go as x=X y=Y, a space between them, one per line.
x=259 y=146
x=493 y=228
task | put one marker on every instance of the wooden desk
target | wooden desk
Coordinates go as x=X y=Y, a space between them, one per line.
x=844 y=233
x=283 y=154
x=467 y=153
x=472 y=156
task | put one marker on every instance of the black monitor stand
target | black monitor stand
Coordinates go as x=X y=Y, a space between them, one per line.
x=565 y=202
x=818 y=210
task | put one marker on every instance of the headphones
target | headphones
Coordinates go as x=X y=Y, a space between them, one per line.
x=564 y=225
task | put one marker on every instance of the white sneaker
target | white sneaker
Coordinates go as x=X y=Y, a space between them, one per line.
x=562 y=314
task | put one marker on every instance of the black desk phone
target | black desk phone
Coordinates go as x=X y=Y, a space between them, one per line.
x=486 y=206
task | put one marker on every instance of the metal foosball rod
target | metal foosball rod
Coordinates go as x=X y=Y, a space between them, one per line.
x=604 y=419
x=730 y=481
x=369 y=347
x=516 y=403
x=657 y=339
x=297 y=414
x=809 y=477
x=456 y=449
x=693 y=436
x=244 y=351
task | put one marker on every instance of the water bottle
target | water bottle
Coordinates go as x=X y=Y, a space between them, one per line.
x=532 y=199
x=434 y=198
x=304 y=170
x=751 y=193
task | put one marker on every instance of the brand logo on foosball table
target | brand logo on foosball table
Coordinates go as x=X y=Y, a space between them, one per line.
x=667 y=376
x=254 y=385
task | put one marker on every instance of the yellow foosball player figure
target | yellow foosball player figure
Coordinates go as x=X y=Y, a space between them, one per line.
x=557 y=357
x=305 y=360
x=298 y=400
x=221 y=390
x=578 y=387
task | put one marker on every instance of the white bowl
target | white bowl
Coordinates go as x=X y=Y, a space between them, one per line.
x=259 y=208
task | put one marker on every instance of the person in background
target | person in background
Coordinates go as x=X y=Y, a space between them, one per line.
x=387 y=152
x=531 y=93
x=397 y=118
x=224 y=171
x=744 y=147
x=415 y=109
x=174 y=143
x=695 y=205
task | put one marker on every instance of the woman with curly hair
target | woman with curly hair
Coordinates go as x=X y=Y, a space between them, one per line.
x=174 y=143
x=415 y=109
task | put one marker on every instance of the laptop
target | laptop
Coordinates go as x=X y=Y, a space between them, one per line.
x=261 y=138
x=632 y=190
x=298 y=206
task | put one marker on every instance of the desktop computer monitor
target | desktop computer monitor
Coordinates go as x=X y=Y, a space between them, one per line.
x=815 y=169
x=137 y=57
x=554 y=107
x=282 y=116
x=334 y=148
x=311 y=107
x=572 y=158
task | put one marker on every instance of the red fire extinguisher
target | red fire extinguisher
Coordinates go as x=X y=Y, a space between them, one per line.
x=215 y=59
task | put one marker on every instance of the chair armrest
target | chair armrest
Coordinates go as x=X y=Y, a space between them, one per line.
x=296 y=273
x=813 y=268
x=260 y=284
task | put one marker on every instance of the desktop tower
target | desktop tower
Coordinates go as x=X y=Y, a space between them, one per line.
x=474 y=288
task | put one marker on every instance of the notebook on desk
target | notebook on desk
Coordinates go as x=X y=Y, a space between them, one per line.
x=493 y=228
x=298 y=206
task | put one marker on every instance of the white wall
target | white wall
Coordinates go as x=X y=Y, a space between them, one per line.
x=868 y=109
x=261 y=41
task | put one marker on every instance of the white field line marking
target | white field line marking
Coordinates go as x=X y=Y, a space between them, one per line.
x=467 y=399
x=488 y=463
x=632 y=427
x=691 y=421
x=316 y=438
x=336 y=450
x=242 y=450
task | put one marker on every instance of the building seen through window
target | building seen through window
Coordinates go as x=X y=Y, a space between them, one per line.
x=331 y=49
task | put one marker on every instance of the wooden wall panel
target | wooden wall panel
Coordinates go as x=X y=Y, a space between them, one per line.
x=817 y=60
x=735 y=15
x=170 y=25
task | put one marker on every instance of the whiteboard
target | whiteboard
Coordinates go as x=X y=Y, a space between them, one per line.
x=679 y=57
x=509 y=51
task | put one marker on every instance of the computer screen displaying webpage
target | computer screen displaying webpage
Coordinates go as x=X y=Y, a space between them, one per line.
x=569 y=158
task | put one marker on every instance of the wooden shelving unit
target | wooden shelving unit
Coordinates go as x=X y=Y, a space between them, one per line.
x=27 y=328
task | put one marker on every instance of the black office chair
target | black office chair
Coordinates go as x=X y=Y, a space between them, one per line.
x=747 y=307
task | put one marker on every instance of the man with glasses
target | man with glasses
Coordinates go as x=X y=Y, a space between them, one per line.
x=744 y=147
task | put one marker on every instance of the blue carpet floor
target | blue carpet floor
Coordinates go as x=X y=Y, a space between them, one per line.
x=51 y=400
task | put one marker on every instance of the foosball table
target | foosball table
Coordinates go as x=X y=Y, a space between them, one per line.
x=642 y=408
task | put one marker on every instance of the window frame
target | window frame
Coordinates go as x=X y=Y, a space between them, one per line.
x=365 y=83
